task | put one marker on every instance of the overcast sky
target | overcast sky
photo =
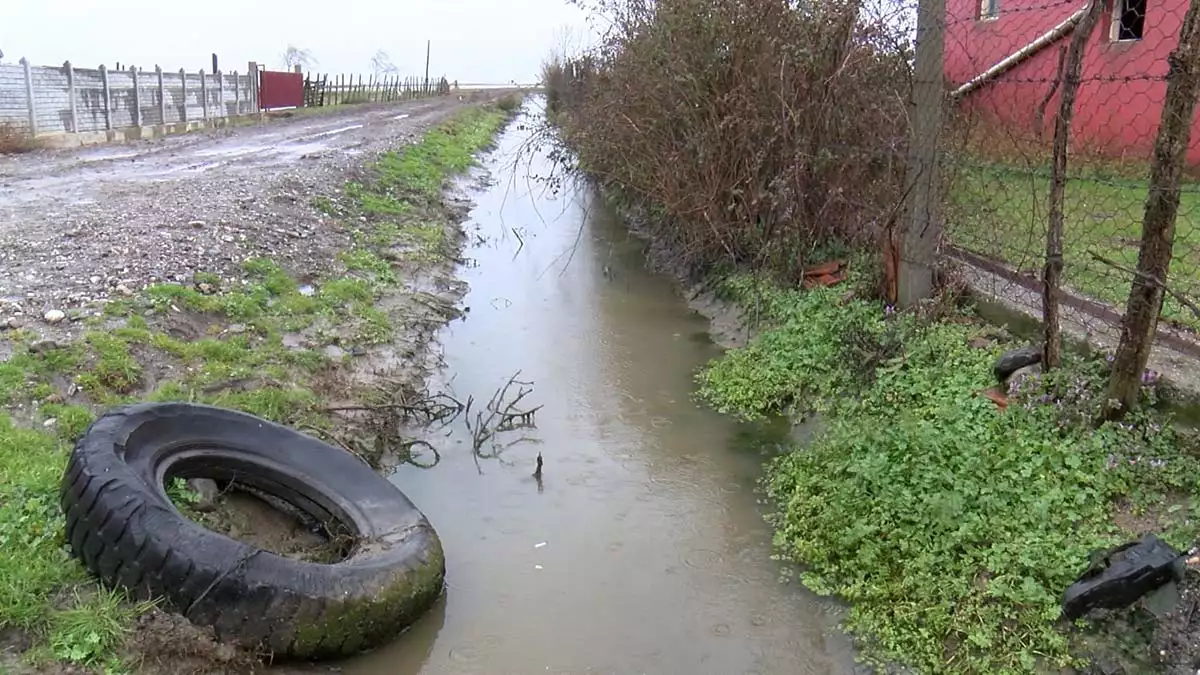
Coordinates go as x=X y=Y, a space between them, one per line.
x=488 y=41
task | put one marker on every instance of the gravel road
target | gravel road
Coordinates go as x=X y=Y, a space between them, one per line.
x=79 y=227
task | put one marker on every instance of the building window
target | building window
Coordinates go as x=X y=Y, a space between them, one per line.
x=990 y=9
x=1129 y=18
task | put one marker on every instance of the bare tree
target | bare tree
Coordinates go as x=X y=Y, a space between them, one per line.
x=295 y=56
x=1052 y=273
x=382 y=64
x=1140 y=323
x=567 y=41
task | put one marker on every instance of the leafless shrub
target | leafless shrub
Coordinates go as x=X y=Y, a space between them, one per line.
x=384 y=427
x=502 y=413
x=757 y=130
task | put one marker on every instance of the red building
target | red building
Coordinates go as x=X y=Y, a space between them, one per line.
x=1124 y=67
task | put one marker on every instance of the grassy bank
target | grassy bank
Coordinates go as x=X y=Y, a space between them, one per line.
x=221 y=340
x=951 y=528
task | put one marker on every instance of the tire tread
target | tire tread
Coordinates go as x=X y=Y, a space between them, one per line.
x=120 y=526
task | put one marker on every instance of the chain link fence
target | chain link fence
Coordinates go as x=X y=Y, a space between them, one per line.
x=1008 y=64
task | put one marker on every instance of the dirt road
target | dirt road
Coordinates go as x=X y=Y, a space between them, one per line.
x=82 y=226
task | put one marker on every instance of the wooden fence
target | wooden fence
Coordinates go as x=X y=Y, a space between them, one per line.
x=325 y=90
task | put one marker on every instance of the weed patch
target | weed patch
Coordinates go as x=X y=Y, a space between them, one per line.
x=951 y=528
x=42 y=591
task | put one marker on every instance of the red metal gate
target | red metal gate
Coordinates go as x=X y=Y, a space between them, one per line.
x=280 y=90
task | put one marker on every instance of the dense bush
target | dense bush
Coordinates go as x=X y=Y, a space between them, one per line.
x=510 y=103
x=758 y=129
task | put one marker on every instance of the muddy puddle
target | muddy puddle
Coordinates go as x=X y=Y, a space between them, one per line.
x=642 y=549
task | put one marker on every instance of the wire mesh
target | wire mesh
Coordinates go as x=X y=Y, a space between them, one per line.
x=1005 y=61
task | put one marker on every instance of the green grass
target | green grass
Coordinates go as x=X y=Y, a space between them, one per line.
x=421 y=169
x=951 y=529
x=114 y=371
x=43 y=591
x=26 y=373
x=1001 y=210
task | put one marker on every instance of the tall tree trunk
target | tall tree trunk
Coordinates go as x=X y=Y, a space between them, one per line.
x=1052 y=274
x=1158 y=224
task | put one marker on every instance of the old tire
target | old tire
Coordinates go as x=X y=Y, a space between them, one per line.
x=1015 y=360
x=127 y=532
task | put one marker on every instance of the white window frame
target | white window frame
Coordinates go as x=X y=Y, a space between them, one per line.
x=1114 y=30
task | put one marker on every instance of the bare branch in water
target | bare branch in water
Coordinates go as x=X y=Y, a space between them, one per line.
x=382 y=425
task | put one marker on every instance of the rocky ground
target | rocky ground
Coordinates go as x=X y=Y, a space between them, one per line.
x=78 y=228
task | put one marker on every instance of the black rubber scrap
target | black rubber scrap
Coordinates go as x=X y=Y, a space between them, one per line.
x=1121 y=576
x=1015 y=360
x=126 y=531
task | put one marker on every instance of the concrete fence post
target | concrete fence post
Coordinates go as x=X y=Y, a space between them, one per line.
x=918 y=249
x=137 y=97
x=220 y=94
x=204 y=93
x=107 y=97
x=252 y=86
x=237 y=95
x=183 y=113
x=162 y=96
x=72 y=97
x=29 y=96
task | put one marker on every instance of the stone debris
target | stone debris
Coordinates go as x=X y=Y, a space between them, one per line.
x=105 y=228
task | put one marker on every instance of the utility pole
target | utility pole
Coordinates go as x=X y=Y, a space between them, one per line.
x=427 y=66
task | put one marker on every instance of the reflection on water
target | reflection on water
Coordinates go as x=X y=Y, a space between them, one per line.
x=645 y=551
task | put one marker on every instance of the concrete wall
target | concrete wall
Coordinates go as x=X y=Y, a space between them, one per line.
x=159 y=98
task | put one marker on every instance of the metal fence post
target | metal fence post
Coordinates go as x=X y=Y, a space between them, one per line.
x=137 y=97
x=29 y=97
x=183 y=113
x=107 y=97
x=204 y=92
x=237 y=94
x=220 y=94
x=71 y=96
x=923 y=221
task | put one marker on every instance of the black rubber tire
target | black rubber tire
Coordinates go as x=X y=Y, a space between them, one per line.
x=127 y=532
x=1015 y=360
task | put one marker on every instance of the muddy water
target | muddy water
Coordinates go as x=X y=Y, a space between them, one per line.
x=643 y=550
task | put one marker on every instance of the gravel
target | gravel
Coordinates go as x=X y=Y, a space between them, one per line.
x=80 y=228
